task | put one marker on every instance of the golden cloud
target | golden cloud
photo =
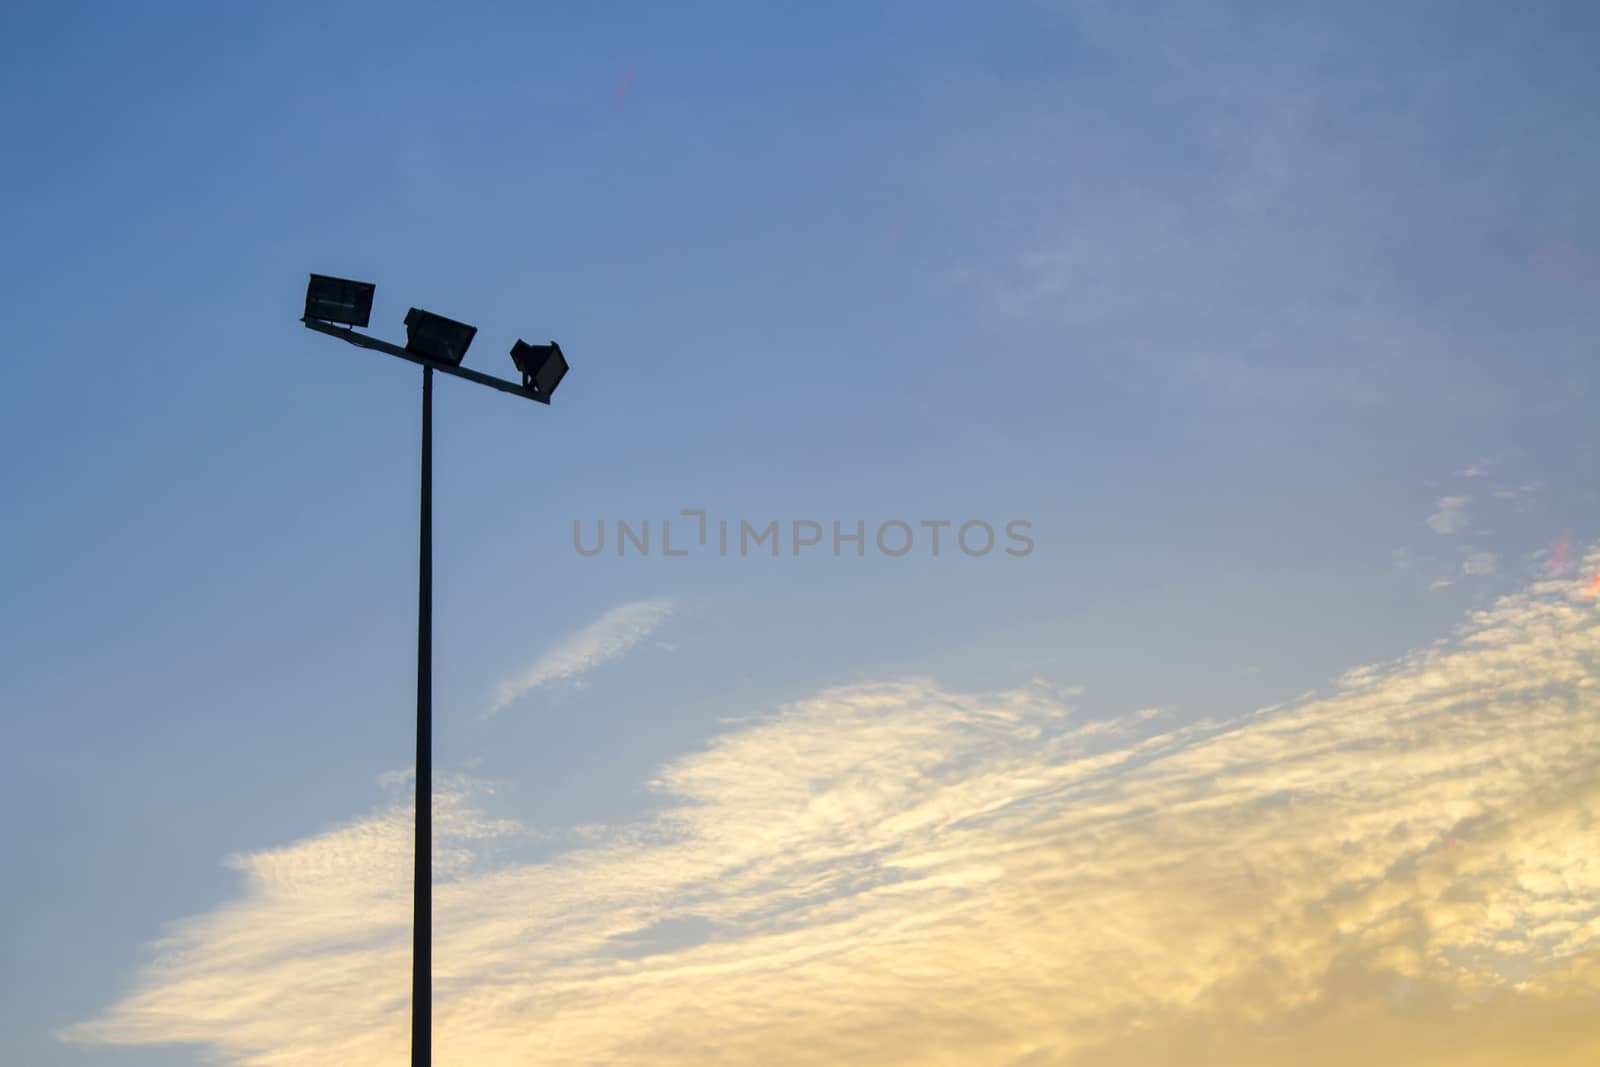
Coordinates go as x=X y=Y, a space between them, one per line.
x=1406 y=871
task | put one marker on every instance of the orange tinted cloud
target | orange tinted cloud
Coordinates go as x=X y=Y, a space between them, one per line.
x=900 y=874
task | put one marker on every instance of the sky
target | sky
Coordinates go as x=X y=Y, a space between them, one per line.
x=1261 y=726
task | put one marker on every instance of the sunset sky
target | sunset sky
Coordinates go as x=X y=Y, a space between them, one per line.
x=1273 y=325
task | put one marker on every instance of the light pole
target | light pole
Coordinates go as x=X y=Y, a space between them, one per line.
x=335 y=306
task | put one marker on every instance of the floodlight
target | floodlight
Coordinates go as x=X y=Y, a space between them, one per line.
x=542 y=366
x=339 y=300
x=437 y=337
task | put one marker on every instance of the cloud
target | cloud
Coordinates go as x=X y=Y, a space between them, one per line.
x=1480 y=563
x=897 y=873
x=607 y=638
x=1517 y=492
x=1148 y=212
x=1451 y=516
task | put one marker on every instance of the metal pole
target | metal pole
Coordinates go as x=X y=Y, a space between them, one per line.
x=422 y=925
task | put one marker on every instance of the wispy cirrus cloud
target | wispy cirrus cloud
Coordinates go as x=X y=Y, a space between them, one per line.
x=896 y=873
x=1450 y=516
x=1188 y=254
x=1517 y=494
x=607 y=638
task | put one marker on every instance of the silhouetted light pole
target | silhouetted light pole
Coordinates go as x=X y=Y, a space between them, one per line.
x=335 y=306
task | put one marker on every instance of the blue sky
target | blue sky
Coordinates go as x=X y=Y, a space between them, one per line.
x=1226 y=305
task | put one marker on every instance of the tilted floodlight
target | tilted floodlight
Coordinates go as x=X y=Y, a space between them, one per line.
x=437 y=337
x=542 y=366
x=339 y=300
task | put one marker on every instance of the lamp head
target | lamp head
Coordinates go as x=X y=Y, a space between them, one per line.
x=339 y=300
x=542 y=366
x=437 y=337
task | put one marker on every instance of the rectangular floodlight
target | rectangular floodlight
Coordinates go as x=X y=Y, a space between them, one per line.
x=339 y=300
x=437 y=337
x=542 y=366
